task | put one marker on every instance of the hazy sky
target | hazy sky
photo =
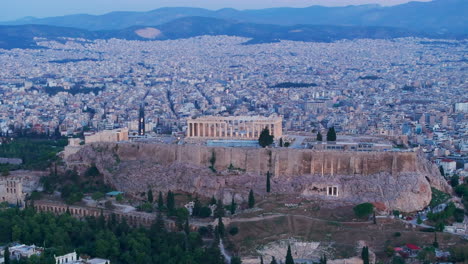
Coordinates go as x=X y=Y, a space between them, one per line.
x=14 y=9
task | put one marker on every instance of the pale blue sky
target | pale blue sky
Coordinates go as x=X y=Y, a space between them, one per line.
x=14 y=9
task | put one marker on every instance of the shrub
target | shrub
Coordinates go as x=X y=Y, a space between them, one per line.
x=363 y=210
x=233 y=230
x=204 y=212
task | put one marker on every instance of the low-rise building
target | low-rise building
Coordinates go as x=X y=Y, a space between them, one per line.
x=115 y=135
x=72 y=258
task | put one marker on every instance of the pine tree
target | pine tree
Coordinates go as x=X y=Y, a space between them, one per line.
x=261 y=259
x=268 y=184
x=150 y=196
x=289 y=258
x=160 y=201
x=331 y=134
x=265 y=138
x=170 y=201
x=365 y=255
x=251 y=199
x=233 y=206
x=6 y=256
x=319 y=136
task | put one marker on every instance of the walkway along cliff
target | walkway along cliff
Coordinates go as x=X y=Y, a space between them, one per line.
x=399 y=180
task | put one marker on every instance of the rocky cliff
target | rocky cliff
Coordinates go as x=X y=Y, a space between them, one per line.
x=398 y=180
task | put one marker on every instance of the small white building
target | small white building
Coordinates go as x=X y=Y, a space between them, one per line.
x=449 y=165
x=72 y=258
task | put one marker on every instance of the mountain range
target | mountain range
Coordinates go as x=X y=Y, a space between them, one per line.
x=436 y=19
x=437 y=16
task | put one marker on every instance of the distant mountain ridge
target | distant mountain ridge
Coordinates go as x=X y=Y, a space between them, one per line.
x=22 y=36
x=438 y=16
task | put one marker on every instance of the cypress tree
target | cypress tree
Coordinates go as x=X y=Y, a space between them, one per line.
x=365 y=255
x=319 y=136
x=435 y=244
x=213 y=200
x=441 y=169
x=268 y=184
x=219 y=211
x=220 y=227
x=196 y=207
x=160 y=201
x=6 y=257
x=281 y=142
x=273 y=261
x=251 y=199
x=331 y=134
x=187 y=227
x=261 y=259
x=170 y=201
x=150 y=196
x=289 y=258
x=233 y=206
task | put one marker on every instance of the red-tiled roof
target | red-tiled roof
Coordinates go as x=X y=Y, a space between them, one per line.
x=413 y=247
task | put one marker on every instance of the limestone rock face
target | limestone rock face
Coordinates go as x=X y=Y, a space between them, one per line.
x=399 y=180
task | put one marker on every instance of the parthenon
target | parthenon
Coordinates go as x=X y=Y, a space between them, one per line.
x=233 y=127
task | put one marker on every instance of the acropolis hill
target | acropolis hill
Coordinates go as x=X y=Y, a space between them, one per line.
x=396 y=180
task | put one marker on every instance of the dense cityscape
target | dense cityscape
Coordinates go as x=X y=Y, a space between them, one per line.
x=217 y=149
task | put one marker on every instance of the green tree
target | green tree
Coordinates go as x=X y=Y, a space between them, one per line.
x=331 y=134
x=170 y=203
x=220 y=227
x=6 y=256
x=233 y=206
x=454 y=181
x=365 y=255
x=319 y=136
x=442 y=172
x=281 y=142
x=289 y=258
x=435 y=244
x=5 y=172
x=219 y=211
x=213 y=200
x=363 y=210
x=150 y=196
x=268 y=183
x=160 y=201
x=273 y=261
x=251 y=199
x=236 y=260
x=265 y=138
x=196 y=207
x=119 y=198
x=261 y=260
x=323 y=260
